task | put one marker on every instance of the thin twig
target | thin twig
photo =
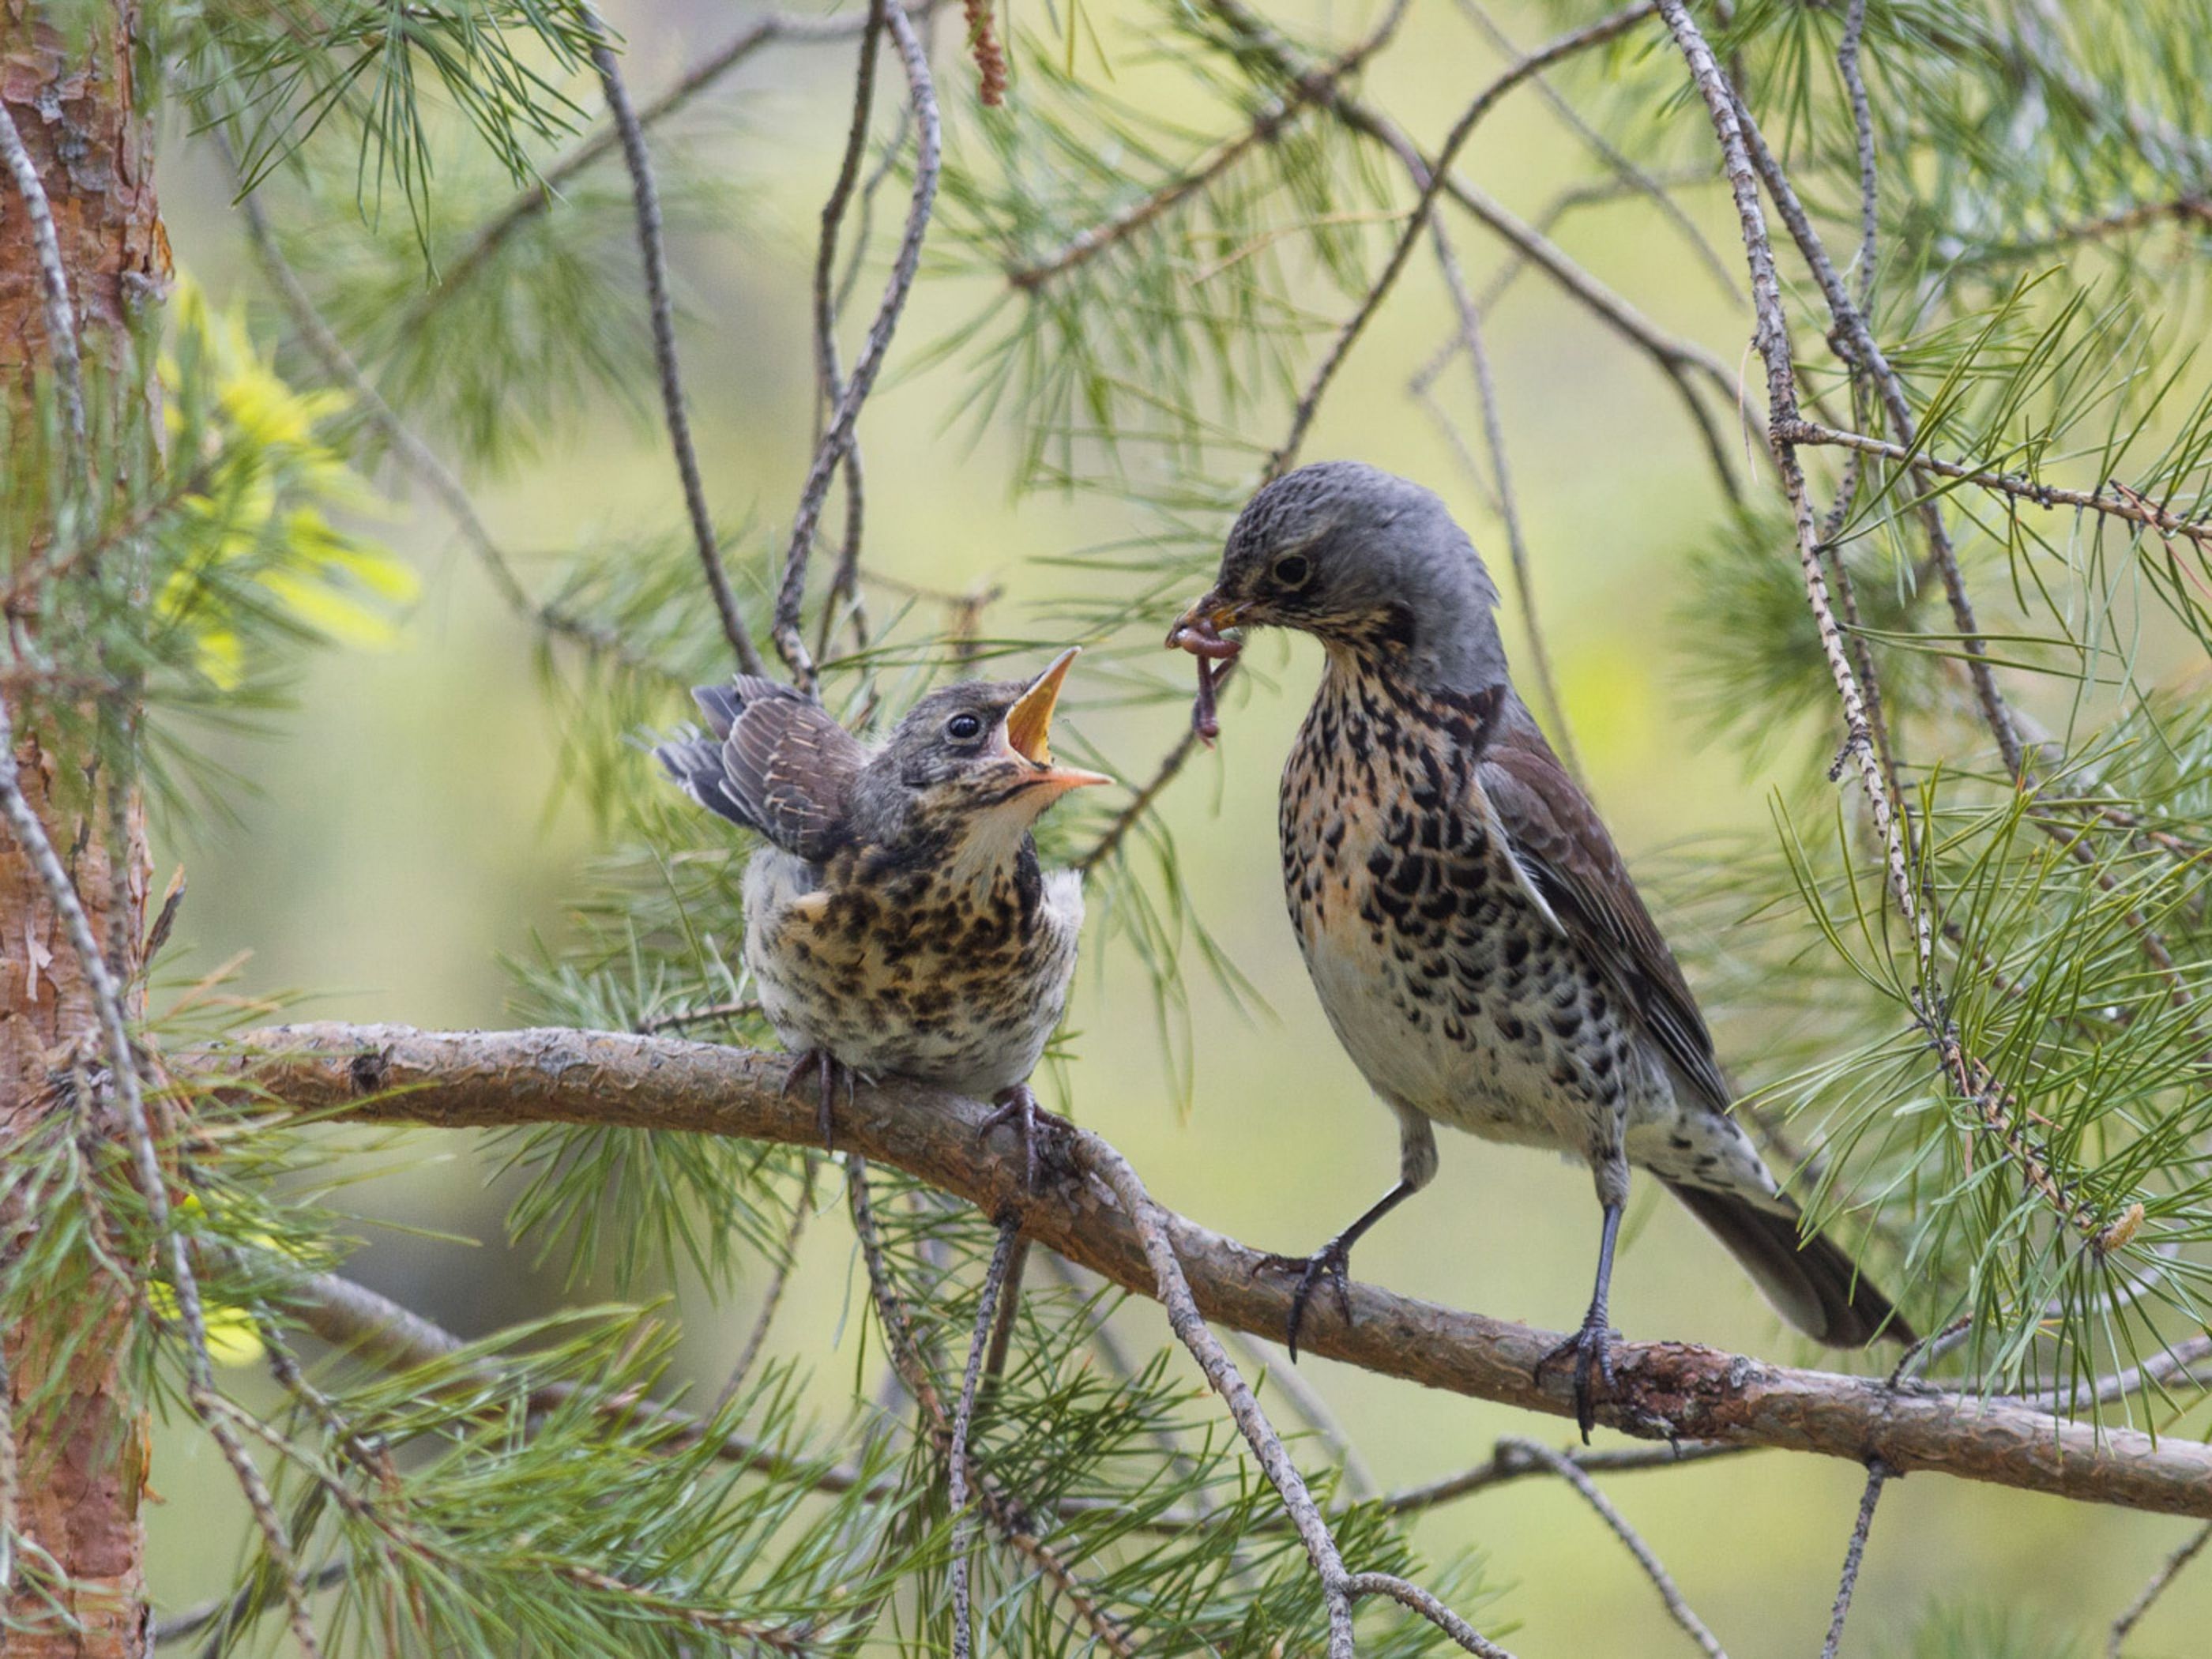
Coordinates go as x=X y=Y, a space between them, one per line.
x=828 y=382
x=678 y=1020
x=1678 y=360
x=837 y=437
x=230 y=1609
x=2124 y=1626
x=1878 y=1473
x=1407 y=1593
x=1007 y=1518
x=533 y=199
x=1580 y=39
x=1509 y=1462
x=1305 y=91
x=771 y=1297
x=200 y=1392
x=987 y=1308
x=1516 y=544
x=1191 y=1329
x=1573 y=1473
x=1637 y=179
x=646 y=197
x=53 y=286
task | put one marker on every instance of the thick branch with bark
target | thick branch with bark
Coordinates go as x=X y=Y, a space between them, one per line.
x=395 y=1074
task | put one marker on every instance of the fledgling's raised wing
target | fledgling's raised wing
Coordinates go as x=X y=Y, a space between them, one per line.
x=781 y=767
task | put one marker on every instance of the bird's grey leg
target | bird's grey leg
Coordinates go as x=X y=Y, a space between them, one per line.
x=1017 y=1105
x=1591 y=1346
x=1416 y=1166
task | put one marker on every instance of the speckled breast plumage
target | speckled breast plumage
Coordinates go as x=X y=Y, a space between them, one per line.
x=1453 y=991
x=908 y=969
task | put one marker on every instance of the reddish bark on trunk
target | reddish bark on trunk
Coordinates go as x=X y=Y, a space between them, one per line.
x=78 y=1470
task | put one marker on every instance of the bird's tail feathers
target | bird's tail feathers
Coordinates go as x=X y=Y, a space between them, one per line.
x=696 y=765
x=1810 y=1281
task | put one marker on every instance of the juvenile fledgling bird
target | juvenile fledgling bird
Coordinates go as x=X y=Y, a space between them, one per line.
x=1474 y=937
x=897 y=922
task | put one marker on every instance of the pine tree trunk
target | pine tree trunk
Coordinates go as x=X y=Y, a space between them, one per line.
x=78 y=1472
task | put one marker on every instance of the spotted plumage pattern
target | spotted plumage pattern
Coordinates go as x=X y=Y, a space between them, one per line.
x=898 y=920
x=1475 y=938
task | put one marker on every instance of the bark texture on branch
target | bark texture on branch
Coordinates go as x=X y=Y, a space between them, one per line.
x=391 y=1074
x=79 y=1465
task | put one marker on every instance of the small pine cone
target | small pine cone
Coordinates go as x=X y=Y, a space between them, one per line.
x=990 y=56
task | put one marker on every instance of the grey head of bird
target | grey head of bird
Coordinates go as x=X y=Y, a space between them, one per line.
x=968 y=771
x=1370 y=563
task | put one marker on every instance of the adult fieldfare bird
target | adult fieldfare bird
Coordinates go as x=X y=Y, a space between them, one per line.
x=898 y=920
x=1474 y=937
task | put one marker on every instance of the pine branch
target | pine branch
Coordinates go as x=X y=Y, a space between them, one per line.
x=459 y=1079
x=2122 y=502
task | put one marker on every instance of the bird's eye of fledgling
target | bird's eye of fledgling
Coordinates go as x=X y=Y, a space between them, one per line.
x=964 y=728
x=1292 y=569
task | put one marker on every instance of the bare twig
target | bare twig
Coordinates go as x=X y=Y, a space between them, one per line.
x=772 y=1296
x=1516 y=544
x=384 y=1073
x=1190 y=1328
x=774 y=29
x=1574 y=1474
x=230 y=1609
x=1847 y=65
x=200 y=1391
x=680 y=1019
x=2124 y=1626
x=1407 y=1593
x=1117 y=829
x=1509 y=1461
x=1878 y=1473
x=1635 y=179
x=1678 y=360
x=1007 y=1519
x=1304 y=1399
x=646 y=195
x=986 y=1307
x=53 y=286
x=1305 y=91
x=837 y=436
x=830 y=387
x=1439 y=171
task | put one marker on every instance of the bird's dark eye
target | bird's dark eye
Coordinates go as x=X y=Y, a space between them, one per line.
x=1292 y=569
x=964 y=728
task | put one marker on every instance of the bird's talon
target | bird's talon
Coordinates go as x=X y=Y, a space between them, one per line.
x=1017 y=1106
x=1328 y=1266
x=1591 y=1348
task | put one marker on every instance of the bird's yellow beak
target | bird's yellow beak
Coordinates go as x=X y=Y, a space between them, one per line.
x=1198 y=630
x=1028 y=727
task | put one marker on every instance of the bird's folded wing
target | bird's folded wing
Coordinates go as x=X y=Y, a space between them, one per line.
x=1563 y=845
x=791 y=767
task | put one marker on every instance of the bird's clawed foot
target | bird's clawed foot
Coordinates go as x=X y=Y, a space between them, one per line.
x=1017 y=1106
x=1329 y=1266
x=1591 y=1348
x=833 y=1074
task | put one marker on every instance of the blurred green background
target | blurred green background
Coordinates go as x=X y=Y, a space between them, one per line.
x=406 y=828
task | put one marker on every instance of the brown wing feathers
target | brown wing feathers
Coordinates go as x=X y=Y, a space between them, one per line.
x=1564 y=848
x=783 y=767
